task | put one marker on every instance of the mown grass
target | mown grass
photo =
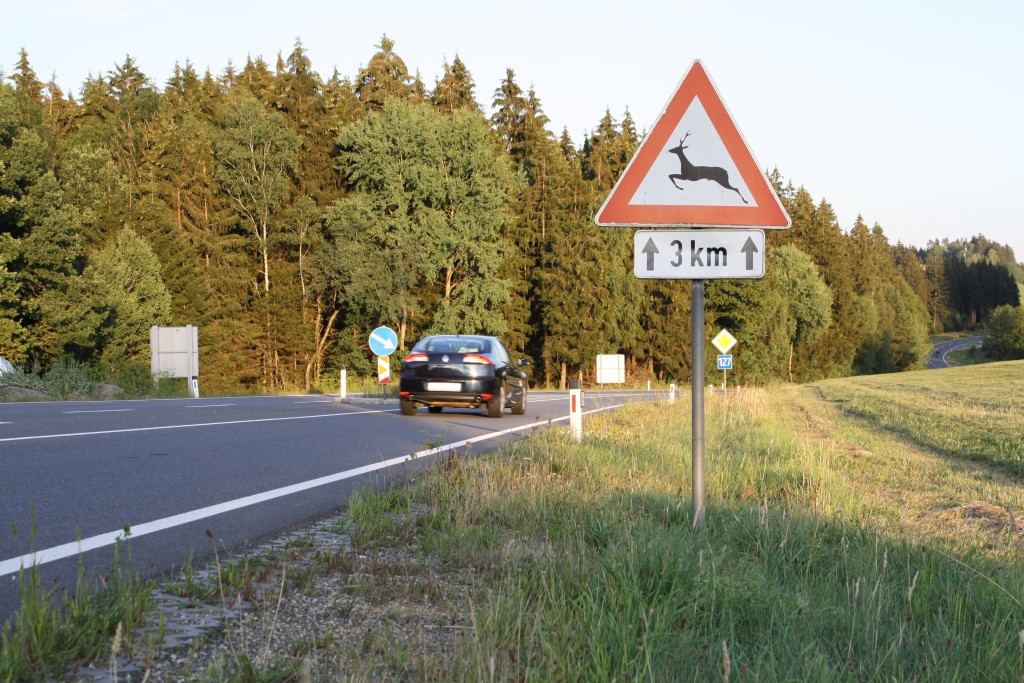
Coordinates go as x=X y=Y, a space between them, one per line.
x=975 y=413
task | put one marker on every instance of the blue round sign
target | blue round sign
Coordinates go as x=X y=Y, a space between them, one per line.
x=383 y=341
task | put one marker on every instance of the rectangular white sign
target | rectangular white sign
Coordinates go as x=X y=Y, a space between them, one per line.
x=698 y=254
x=174 y=351
x=611 y=368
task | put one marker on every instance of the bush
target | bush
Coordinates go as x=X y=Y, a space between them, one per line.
x=69 y=378
x=20 y=378
x=1006 y=327
x=133 y=378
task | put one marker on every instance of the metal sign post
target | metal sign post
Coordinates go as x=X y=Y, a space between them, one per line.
x=726 y=188
x=724 y=341
x=697 y=399
x=724 y=364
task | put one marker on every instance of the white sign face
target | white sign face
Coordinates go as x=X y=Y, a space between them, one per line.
x=698 y=254
x=174 y=351
x=611 y=368
x=694 y=141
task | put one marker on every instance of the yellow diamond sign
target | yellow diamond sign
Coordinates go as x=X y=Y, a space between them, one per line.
x=724 y=341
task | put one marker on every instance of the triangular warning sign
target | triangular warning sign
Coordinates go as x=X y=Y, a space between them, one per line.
x=694 y=169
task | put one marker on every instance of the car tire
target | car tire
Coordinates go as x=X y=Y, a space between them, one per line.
x=408 y=407
x=520 y=407
x=435 y=409
x=496 y=407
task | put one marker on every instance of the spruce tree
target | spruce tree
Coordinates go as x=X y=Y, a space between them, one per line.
x=385 y=77
x=454 y=90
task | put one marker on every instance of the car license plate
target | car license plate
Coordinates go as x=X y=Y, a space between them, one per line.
x=443 y=386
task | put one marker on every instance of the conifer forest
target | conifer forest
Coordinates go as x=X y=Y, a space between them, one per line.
x=287 y=216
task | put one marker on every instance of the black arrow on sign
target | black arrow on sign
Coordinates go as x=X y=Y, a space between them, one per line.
x=650 y=249
x=749 y=248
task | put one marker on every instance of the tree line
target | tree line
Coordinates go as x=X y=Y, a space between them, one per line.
x=287 y=216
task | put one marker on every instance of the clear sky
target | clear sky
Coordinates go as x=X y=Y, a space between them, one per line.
x=904 y=111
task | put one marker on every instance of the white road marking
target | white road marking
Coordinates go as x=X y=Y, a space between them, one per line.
x=214 y=405
x=60 y=552
x=300 y=402
x=112 y=410
x=188 y=426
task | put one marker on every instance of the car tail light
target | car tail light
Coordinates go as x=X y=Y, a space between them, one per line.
x=474 y=359
x=405 y=394
x=415 y=358
x=487 y=397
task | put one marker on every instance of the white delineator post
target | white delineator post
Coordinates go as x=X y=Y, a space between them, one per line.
x=672 y=393
x=343 y=391
x=576 y=410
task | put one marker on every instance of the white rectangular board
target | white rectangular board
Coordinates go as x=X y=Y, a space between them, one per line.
x=611 y=368
x=698 y=254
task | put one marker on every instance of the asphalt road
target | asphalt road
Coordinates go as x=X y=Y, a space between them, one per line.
x=937 y=359
x=74 y=475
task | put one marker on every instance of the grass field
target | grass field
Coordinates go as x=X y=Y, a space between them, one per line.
x=968 y=355
x=835 y=548
x=864 y=529
x=972 y=413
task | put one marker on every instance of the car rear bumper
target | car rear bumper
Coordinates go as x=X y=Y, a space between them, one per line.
x=470 y=393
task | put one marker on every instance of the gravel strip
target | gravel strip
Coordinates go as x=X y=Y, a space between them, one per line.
x=325 y=612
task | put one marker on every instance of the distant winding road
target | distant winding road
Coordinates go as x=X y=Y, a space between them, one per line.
x=937 y=359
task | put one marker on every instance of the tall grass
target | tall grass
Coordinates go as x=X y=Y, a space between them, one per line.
x=590 y=570
x=69 y=379
x=54 y=632
x=64 y=379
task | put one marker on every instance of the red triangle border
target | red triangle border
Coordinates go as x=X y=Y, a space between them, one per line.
x=768 y=212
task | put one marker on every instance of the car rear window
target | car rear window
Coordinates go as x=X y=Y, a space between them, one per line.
x=453 y=345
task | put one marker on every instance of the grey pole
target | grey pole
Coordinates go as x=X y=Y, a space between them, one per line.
x=697 y=388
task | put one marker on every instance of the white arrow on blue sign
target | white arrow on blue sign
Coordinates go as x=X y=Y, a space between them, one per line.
x=383 y=341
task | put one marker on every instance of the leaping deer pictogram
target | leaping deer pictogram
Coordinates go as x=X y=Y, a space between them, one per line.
x=688 y=171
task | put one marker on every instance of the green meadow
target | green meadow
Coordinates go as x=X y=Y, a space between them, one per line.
x=857 y=529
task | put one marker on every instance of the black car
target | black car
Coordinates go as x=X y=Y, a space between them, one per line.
x=462 y=371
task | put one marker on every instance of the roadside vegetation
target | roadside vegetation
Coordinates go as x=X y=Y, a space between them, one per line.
x=862 y=529
x=969 y=355
x=834 y=549
x=71 y=380
x=56 y=630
